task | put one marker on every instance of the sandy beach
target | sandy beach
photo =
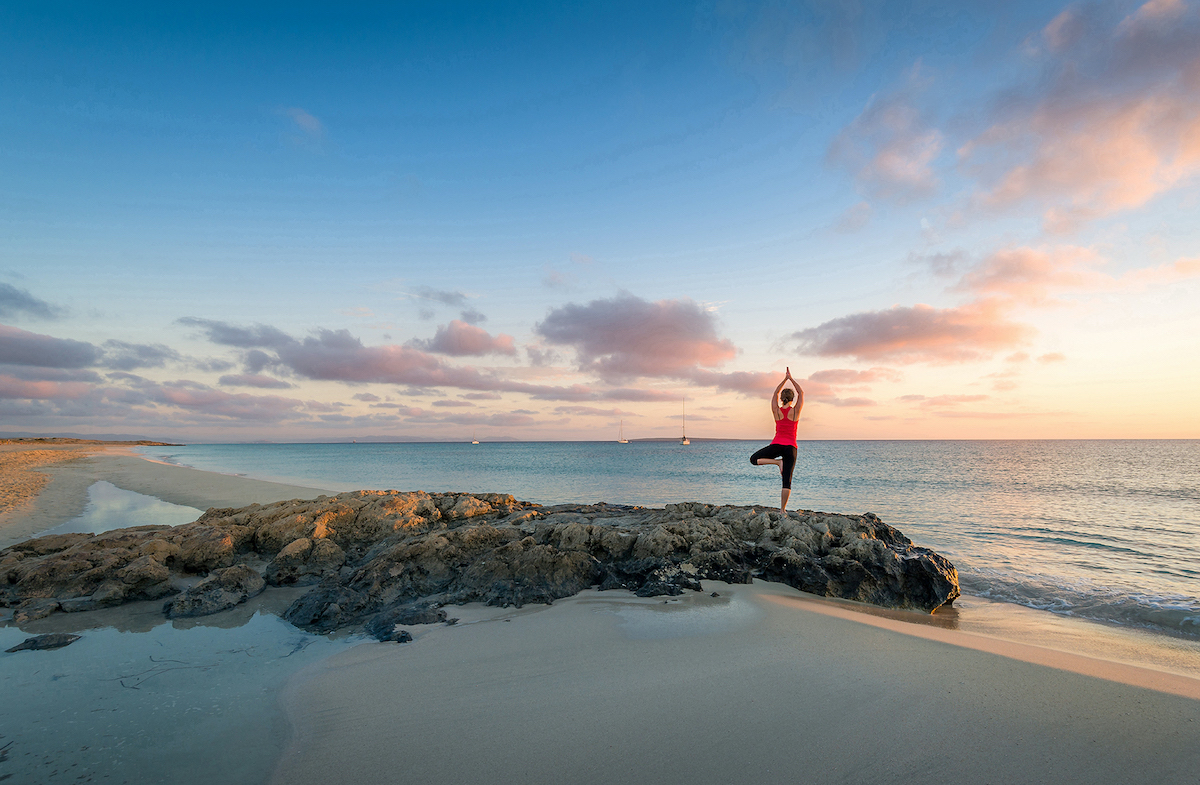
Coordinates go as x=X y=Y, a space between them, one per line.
x=754 y=685
x=759 y=683
x=43 y=485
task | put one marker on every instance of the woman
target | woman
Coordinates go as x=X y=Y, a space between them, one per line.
x=781 y=451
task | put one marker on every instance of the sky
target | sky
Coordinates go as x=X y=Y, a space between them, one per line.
x=433 y=220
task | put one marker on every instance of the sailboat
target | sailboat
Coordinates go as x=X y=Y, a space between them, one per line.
x=621 y=434
x=685 y=439
x=473 y=439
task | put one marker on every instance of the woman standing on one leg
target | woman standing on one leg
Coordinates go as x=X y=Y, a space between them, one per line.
x=781 y=451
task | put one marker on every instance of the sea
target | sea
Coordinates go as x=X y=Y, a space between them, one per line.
x=1104 y=530
x=1100 y=540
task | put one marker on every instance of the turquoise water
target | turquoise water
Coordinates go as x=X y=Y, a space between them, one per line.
x=109 y=507
x=1107 y=530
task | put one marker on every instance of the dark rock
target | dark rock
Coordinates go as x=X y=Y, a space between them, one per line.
x=400 y=636
x=370 y=551
x=78 y=605
x=329 y=606
x=382 y=625
x=220 y=591
x=54 y=640
x=670 y=580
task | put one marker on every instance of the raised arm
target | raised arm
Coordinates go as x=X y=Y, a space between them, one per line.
x=778 y=415
x=794 y=414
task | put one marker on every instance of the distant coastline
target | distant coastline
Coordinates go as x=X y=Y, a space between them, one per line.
x=52 y=440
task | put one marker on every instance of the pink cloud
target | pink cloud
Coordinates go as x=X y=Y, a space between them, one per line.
x=1032 y=276
x=461 y=339
x=919 y=333
x=745 y=382
x=11 y=387
x=627 y=337
x=1029 y=275
x=851 y=402
x=845 y=376
x=241 y=406
x=337 y=355
x=1113 y=122
x=1052 y=357
x=641 y=395
x=1180 y=270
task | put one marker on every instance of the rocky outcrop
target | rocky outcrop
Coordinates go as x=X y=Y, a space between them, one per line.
x=220 y=591
x=372 y=554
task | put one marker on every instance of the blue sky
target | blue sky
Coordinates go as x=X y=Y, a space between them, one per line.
x=534 y=221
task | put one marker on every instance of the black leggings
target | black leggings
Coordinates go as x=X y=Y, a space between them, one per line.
x=785 y=451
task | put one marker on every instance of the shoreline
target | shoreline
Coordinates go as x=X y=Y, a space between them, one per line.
x=65 y=494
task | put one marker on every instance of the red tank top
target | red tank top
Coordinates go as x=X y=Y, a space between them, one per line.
x=785 y=428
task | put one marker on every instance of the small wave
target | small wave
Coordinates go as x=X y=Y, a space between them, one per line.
x=1175 y=614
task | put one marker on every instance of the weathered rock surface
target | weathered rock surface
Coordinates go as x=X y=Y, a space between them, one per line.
x=220 y=591
x=53 y=640
x=372 y=554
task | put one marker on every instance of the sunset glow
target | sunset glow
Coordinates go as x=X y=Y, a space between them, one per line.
x=431 y=221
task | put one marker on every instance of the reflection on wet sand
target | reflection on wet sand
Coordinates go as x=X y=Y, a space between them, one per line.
x=141 y=699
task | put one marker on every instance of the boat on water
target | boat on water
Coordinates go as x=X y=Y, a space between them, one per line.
x=621 y=434
x=685 y=439
x=473 y=439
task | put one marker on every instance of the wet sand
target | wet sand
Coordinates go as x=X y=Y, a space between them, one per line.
x=47 y=486
x=757 y=685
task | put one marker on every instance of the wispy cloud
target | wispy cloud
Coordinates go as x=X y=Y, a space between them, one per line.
x=1112 y=122
x=846 y=376
x=253 y=380
x=444 y=296
x=891 y=146
x=1002 y=283
x=853 y=218
x=18 y=302
x=123 y=356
